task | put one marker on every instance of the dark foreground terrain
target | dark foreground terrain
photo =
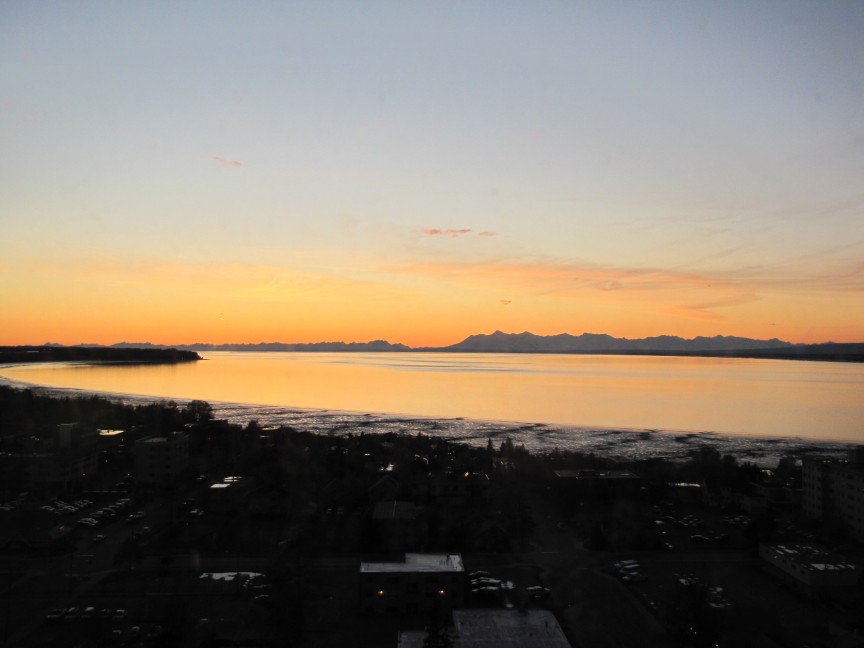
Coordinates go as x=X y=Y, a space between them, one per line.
x=256 y=536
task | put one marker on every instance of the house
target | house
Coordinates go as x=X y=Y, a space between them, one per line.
x=383 y=490
x=229 y=495
x=463 y=489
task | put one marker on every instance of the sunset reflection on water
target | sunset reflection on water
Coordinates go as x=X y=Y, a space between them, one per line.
x=739 y=396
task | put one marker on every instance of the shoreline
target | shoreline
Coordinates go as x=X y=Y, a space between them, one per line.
x=625 y=443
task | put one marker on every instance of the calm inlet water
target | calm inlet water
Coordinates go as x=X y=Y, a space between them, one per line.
x=815 y=400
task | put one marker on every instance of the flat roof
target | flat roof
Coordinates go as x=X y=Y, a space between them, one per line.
x=591 y=473
x=812 y=558
x=417 y=563
x=485 y=628
x=162 y=439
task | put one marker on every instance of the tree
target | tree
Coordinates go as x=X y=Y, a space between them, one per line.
x=201 y=411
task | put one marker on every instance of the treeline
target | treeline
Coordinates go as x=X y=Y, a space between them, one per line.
x=24 y=412
x=705 y=466
x=18 y=354
x=30 y=413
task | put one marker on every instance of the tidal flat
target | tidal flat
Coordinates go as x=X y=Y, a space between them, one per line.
x=625 y=443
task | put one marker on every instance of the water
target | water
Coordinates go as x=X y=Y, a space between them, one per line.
x=546 y=400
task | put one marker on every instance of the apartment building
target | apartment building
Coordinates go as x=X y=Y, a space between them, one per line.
x=834 y=488
x=159 y=460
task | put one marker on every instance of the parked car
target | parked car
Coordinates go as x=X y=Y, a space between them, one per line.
x=537 y=592
x=54 y=616
x=625 y=563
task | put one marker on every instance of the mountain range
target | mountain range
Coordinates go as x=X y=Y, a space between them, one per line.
x=499 y=342
x=590 y=343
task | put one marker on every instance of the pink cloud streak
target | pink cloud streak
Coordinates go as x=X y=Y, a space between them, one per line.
x=228 y=163
x=455 y=233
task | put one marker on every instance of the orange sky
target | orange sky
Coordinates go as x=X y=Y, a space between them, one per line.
x=420 y=173
x=419 y=304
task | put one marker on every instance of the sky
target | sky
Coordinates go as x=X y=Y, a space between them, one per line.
x=180 y=172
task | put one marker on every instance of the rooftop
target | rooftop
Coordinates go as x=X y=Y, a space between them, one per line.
x=590 y=473
x=530 y=628
x=162 y=439
x=812 y=558
x=417 y=563
x=490 y=628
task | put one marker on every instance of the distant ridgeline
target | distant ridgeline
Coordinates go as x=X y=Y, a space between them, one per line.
x=94 y=354
x=497 y=342
x=375 y=345
x=662 y=345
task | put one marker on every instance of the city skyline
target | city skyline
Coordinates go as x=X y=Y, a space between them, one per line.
x=420 y=173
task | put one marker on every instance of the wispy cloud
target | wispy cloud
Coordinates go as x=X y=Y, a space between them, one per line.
x=681 y=294
x=227 y=163
x=718 y=295
x=560 y=278
x=456 y=233
x=452 y=233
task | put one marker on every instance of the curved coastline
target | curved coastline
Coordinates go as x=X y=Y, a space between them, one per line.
x=626 y=443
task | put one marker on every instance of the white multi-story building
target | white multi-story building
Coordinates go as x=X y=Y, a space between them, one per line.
x=835 y=489
x=414 y=585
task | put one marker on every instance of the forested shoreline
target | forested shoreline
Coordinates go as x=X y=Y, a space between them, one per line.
x=27 y=354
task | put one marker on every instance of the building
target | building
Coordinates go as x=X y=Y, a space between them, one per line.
x=810 y=569
x=159 y=460
x=230 y=495
x=589 y=482
x=55 y=463
x=416 y=585
x=112 y=444
x=464 y=489
x=502 y=628
x=835 y=489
